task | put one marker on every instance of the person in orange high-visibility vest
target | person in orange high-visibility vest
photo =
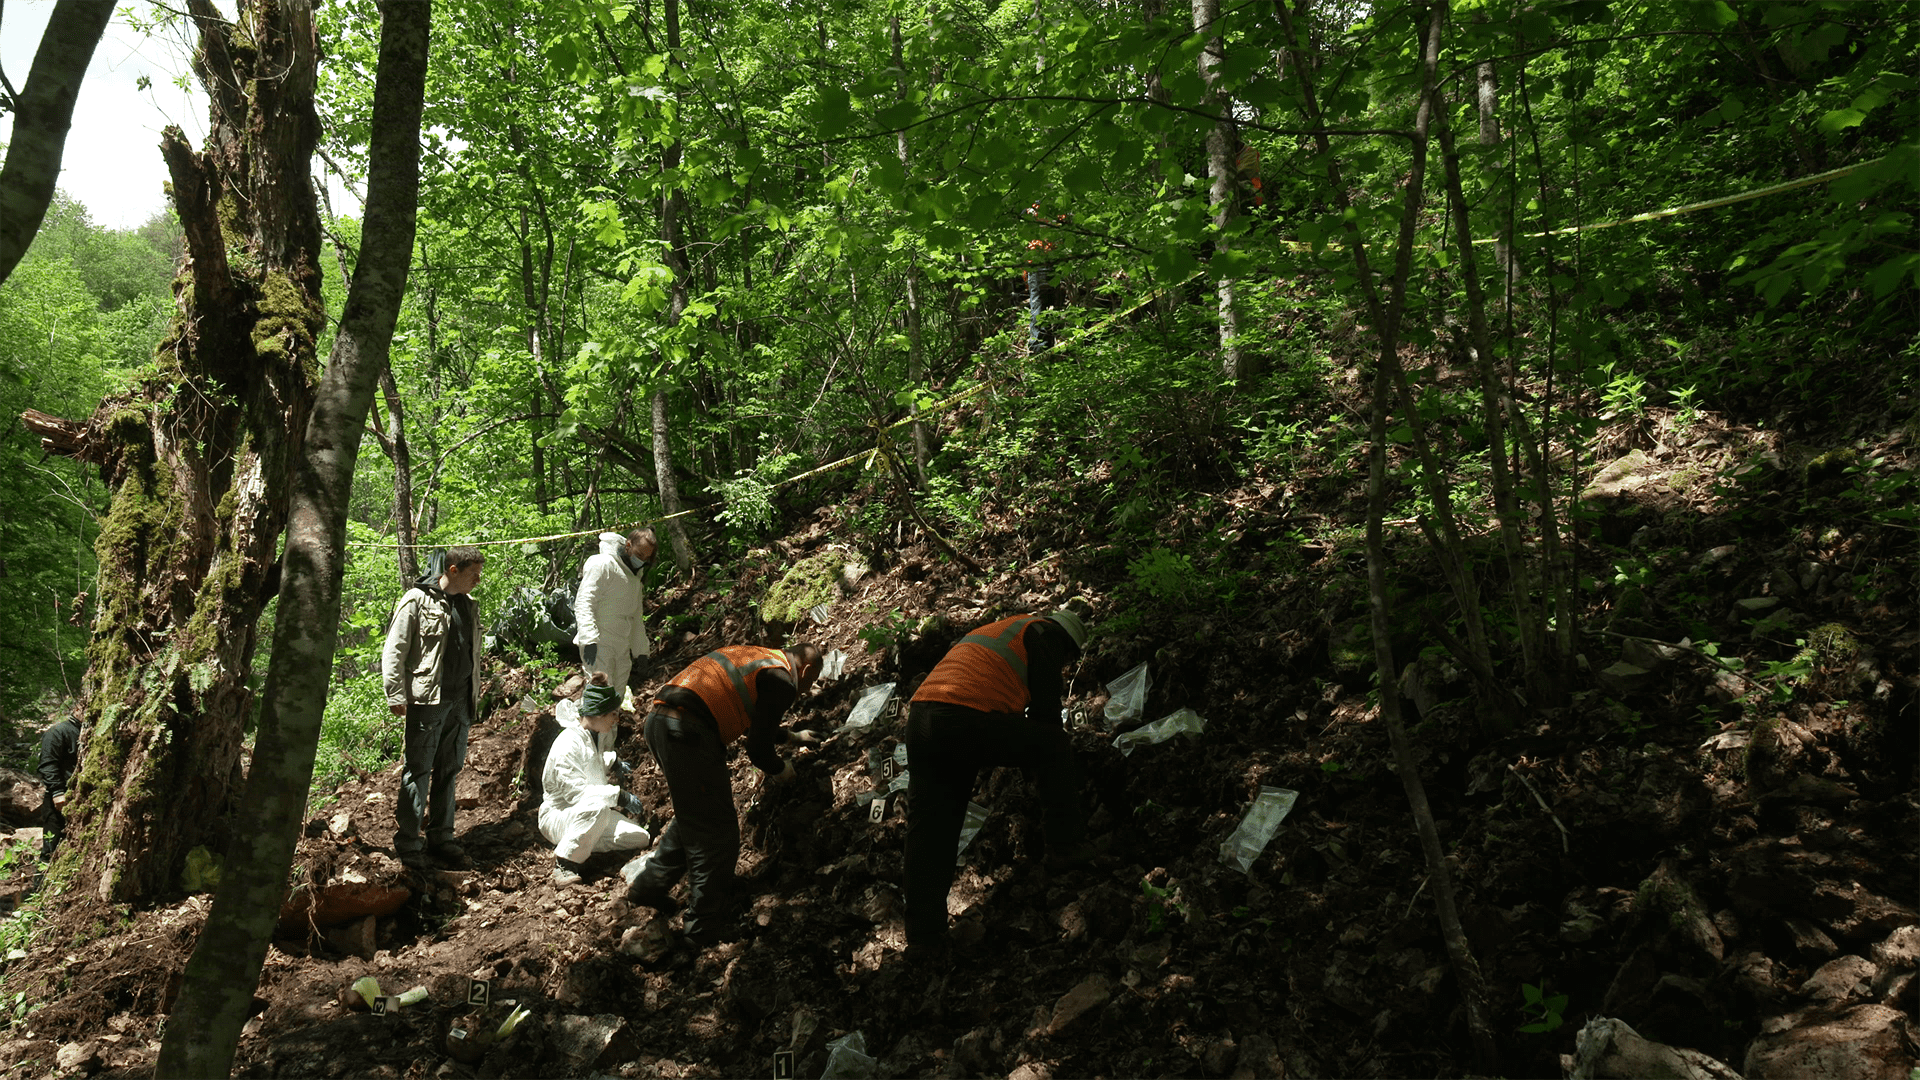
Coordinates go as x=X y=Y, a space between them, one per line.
x=739 y=690
x=994 y=699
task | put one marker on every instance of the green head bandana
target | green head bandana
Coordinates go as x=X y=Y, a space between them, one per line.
x=598 y=700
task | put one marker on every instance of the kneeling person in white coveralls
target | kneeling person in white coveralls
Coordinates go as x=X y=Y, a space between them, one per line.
x=585 y=809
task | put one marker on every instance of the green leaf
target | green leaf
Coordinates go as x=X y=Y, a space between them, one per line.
x=835 y=110
x=1839 y=120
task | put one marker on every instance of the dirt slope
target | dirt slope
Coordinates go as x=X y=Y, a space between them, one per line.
x=1705 y=853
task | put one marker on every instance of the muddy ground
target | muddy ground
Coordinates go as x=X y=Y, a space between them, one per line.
x=1686 y=849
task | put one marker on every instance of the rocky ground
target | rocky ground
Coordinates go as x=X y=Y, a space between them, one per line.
x=1724 y=860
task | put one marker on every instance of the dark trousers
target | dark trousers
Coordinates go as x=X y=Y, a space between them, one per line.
x=436 y=751
x=56 y=828
x=702 y=841
x=947 y=746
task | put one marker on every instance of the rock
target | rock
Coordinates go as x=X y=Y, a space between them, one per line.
x=571 y=688
x=78 y=1057
x=1669 y=892
x=851 y=572
x=1219 y=1055
x=1809 y=939
x=1650 y=655
x=805 y=1025
x=1891 y=984
x=1032 y=1070
x=1861 y=1040
x=1808 y=788
x=1092 y=993
x=1714 y=555
x=358 y=938
x=1754 y=605
x=651 y=941
x=21 y=797
x=1622 y=678
x=1842 y=979
x=342 y=825
x=974 y=1051
x=1757 y=974
x=1624 y=476
x=1259 y=1060
x=1608 y=1049
x=589 y=1040
x=1901 y=949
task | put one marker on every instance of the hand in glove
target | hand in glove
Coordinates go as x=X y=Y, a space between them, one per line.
x=631 y=806
x=589 y=651
x=622 y=769
x=785 y=774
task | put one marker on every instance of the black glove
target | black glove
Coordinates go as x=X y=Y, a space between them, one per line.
x=631 y=806
x=623 y=770
x=588 y=651
x=642 y=670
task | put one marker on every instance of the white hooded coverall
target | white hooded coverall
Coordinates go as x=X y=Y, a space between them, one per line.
x=577 y=814
x=609 y=611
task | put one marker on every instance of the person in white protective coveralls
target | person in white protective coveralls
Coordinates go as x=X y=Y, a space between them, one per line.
x=609 y=609
x=585 y=809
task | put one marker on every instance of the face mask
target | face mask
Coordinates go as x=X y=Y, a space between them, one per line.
x=635 y=562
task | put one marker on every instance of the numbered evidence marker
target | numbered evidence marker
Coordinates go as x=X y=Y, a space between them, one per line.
x=783 y=1065
x=877 y=810
x=478 y=991
x=382 y=1005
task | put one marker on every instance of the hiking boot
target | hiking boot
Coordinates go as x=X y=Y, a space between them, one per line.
x=451 y=856
x=416 y=861
x=567 y=873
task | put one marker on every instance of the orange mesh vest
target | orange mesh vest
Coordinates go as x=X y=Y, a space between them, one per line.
x=724 y=679
x=986 y=670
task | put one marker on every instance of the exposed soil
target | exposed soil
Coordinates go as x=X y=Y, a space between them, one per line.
x=1678 y=848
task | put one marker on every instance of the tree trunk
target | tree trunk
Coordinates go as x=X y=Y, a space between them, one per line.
x=1386 y=314
x=1502 y=412
x=916 y=346
x=199 y=458
x=1486 y=97
x=42 y=113
x=1220 y=163
x=402 y=479
x=672 y=207
x=204 y=1026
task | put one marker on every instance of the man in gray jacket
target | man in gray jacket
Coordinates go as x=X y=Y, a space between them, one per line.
x=430 y=666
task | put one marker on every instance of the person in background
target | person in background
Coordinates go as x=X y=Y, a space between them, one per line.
x=609 y=609
x=1038 y=338
x=994 y=699
x=430 y=667
x=585 y=810
x=59 y=760
x=739 y=690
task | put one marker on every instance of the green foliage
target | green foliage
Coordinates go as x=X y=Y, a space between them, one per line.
x=70 y=323
x=358 y=733
x=1163 y=903
x=886 y=632
x=1542 y=1010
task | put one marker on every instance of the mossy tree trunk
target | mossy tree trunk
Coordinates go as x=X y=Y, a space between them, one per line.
x=199 y=457
x=215 y=993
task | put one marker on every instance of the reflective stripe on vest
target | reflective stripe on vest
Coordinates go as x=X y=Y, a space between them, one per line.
x=986 y=670
x=724 y=679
